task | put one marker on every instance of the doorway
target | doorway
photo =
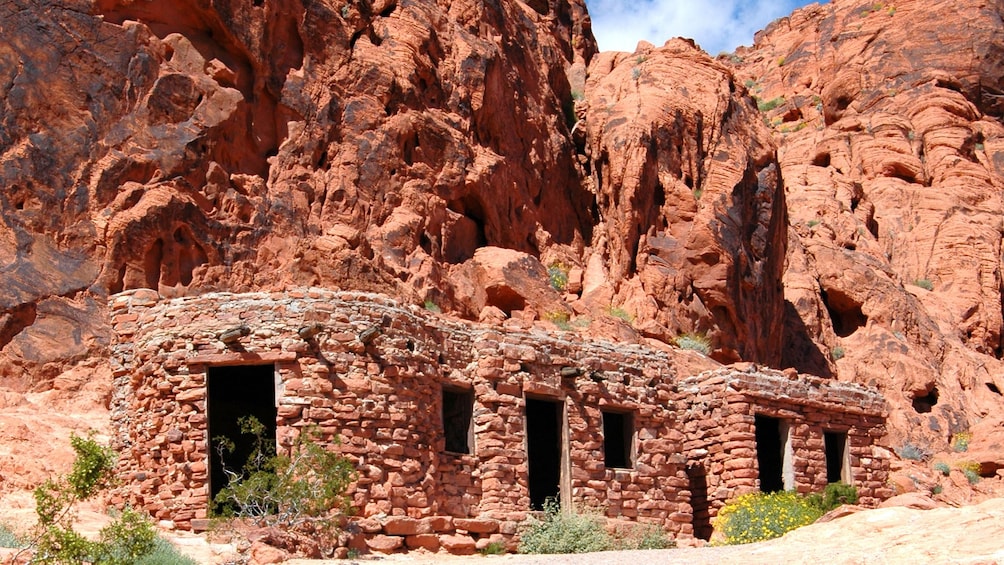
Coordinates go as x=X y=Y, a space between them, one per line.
x=697 y=477
x=835 y=444
x=544 y=450
x=773 y=454
x=233 y=393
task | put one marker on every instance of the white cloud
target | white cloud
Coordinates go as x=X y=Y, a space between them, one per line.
x=716 y=25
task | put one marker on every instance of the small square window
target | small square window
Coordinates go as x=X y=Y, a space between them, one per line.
x=618 y=439
x=458 y=412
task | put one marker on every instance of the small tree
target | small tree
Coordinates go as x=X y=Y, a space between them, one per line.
x=122 y=542
x=302 y=490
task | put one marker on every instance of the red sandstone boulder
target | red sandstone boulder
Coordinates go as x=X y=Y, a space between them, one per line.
x=384 y=544
x=458 y=544
x=689 y=191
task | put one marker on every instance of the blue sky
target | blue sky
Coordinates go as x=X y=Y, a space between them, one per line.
x=716 y=25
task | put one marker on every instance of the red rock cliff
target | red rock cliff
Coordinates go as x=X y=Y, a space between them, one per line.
x=395 y=147
x=888 y=121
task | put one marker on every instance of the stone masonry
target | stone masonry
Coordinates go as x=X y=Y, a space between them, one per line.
x=372 y=373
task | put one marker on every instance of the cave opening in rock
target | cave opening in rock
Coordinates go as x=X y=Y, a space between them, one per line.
x=232 y=394
x=845 y=313
x=924 y=404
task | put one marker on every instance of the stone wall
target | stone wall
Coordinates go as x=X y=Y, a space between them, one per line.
x=372 y=372
x=719 y=410
x=382 y=399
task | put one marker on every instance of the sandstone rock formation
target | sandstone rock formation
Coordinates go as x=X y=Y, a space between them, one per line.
x=468 y=155
x=191 y=146
x=888 y=123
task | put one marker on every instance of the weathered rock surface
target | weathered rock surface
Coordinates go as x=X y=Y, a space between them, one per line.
x=191 y=146
x=888 y=123
x=458 y=154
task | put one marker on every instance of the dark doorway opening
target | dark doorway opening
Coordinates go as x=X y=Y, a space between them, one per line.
x=233 y=393
x=834 y=443
x=543 y=446
x=697 y=476
x=458 y=416
x=770 y=452
x=618 y=440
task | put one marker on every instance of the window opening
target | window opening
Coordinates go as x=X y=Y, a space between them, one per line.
x=458 y=418
x=618 y=439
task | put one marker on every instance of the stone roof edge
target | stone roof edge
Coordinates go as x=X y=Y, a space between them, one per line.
x=800 y=388
x=149 y=299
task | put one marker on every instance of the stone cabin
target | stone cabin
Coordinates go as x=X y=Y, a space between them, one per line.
x=459 y=430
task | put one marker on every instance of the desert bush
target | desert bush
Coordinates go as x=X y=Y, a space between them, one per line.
x=305 y=487
x=557 y=275
x=768 y=105
x=564 y=532
x=834 y=496
x=621 y=313
x=559 y=318
x=971 y=469
x=164 y=553
x=761 y=516
x=8 y=538
x=695 y=342
x=942 y=468
x=493 y=548
x=960 y=441
x=925 y=284
x=644 y=536
x=911 y=452
x=837 y=353
x=123 y=542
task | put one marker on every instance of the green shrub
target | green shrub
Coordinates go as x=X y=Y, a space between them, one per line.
x=942 y=468
x=620 y=313
x=128 y=538
x=971 y=469
x=432 y=307
x=834 y=496
x=960 y=441
x=647 y=536
x=559 y=318
x=768 y=105
x=557 y=275
x=695 y=342
x=304 y=489
x=911 y=452
x=564 y=532
x=494 y=548
x=165 y=554
x=8 y=538
x=925 y=284
x=761 y=516
x=837 y=353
